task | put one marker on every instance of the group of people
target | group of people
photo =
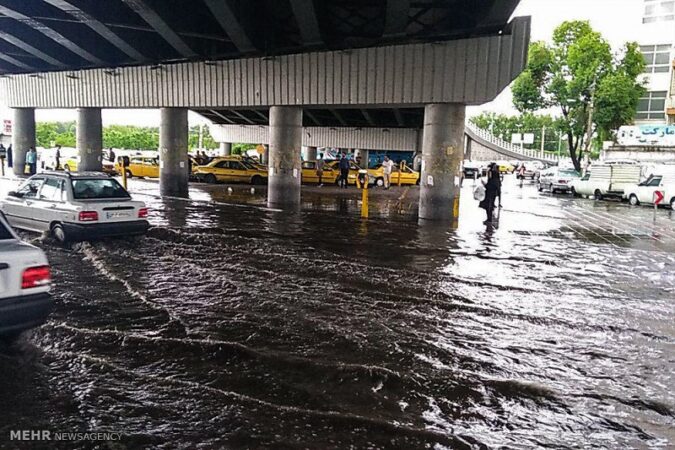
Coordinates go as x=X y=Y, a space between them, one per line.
x=31 y=158
x=344 y=166
x=202 y=158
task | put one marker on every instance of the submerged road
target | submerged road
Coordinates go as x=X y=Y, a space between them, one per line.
x=234 y=325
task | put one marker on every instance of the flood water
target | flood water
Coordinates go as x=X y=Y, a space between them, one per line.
x=236 y=326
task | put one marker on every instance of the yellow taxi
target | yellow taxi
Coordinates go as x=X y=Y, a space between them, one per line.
x=70 y=165
x=140 y=166
x=407 y=175
x=353 y=171
x=505 y=167
x=230 y=169
x=309 y=173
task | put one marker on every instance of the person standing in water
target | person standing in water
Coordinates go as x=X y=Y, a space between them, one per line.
x=492 y=190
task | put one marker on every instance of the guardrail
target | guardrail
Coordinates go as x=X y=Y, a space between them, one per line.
x=507 y=148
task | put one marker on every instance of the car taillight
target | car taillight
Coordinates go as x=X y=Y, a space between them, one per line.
x=562 y=181
x=88 y=216
x=143 y=213
x=36 y=277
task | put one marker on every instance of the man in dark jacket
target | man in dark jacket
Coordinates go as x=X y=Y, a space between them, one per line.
x=344 y=171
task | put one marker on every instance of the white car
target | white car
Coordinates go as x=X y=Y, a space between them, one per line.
x=25 y=280
x=607 y=180
x=75 y=206
x=644 y=192
x=556 y=179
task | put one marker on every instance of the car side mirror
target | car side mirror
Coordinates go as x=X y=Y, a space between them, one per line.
x=14 y=194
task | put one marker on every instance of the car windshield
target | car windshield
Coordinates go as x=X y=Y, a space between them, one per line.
x=568 y=173
x=98 y=188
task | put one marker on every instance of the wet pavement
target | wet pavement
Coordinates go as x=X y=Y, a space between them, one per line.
x=232 y=325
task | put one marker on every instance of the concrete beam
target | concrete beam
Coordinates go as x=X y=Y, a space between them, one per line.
x=98 y=27
x=304 y=13
x=51 y=34
x=229 y=23
x=153 y=19
x=19 y=43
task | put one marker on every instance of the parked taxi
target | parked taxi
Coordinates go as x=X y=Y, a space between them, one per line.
x=230 y=169
x=407 y=175
x=309 y=173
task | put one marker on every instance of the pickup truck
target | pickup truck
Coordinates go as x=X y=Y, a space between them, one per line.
x=607 y=180
x=25 y=281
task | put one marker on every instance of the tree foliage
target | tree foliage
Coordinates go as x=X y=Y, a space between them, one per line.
x=129 y=137
x=576 y=71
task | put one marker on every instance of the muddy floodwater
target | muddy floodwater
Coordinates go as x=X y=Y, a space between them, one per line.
x=236 y=326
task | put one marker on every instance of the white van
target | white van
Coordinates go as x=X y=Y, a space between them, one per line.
x=607 y=180
x=661 y=180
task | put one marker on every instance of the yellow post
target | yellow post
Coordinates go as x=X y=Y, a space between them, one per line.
x=124 y=176
x=364 y=200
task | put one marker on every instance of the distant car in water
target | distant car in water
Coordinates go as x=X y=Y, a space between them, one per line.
x=557 y=180
x=473 y=169
x=75 y=206
x=25 y=280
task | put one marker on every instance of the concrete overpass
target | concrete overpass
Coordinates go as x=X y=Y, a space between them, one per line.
x=288 y=64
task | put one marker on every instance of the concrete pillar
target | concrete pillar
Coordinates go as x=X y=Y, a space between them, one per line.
x=266 y=155
x=310 y=154
x=225 y=148
x=442 y=154
x=284 y=156
x=89 y=139
x=23 y=137
x=173 y=156
x=364 y=158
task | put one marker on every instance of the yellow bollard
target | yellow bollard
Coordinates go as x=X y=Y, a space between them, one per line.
x=124 y=177
x=364 y=202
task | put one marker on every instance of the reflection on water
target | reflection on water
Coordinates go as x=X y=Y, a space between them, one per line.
x=242 y=326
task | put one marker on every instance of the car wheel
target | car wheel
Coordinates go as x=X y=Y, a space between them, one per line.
x=574 y=193
x=539 y=188
x=379 y=182
x=59 y=233
x=633 y=200
x=597 y=195
x=66 y=168
x=129 y=174
x=257 y=180
x=672 y=203
x=210 y=178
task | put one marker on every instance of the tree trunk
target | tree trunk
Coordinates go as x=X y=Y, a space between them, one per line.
x=576 y=160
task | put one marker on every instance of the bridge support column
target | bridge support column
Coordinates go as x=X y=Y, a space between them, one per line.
x=225 y=148
x=284 y=156
x=89 y=139
x=23 y=137
x=265 y=157
x=173 y=156
x=442 y=154
x=310 y=154
x=364 y=158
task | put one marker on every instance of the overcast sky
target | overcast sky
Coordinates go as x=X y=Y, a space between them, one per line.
x=615 y=19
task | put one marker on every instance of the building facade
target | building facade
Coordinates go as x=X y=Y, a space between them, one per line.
x=657 y=43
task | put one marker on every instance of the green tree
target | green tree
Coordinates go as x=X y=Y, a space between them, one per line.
x=579 y=75
x=207 y=140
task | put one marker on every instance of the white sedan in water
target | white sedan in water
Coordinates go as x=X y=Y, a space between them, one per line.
x=75 y=206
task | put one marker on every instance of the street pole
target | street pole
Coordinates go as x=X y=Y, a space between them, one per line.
x=543 y=140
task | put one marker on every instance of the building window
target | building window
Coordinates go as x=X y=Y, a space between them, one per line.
x=657 y=58
x=659 y=11
x=652 y=106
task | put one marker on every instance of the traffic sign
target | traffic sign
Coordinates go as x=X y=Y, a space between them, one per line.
x=658 y=197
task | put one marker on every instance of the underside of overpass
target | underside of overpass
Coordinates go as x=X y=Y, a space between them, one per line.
x=48 y=35
x=385 y=65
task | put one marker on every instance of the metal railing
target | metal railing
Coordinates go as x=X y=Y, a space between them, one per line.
x=509 y=147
